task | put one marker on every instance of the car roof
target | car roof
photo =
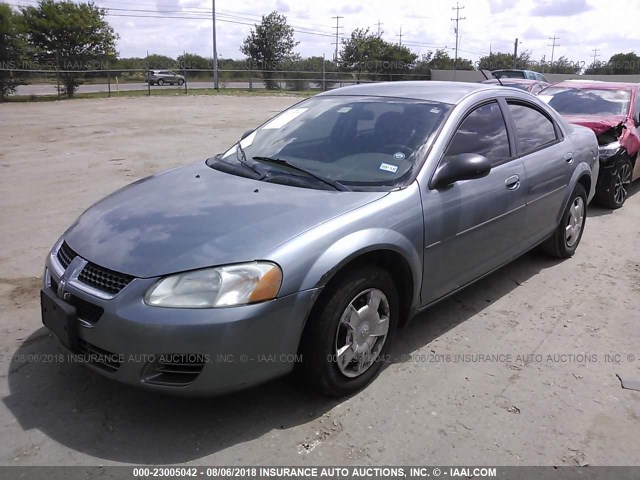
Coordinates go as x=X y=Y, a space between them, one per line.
x=597 y=84
x=445 y=92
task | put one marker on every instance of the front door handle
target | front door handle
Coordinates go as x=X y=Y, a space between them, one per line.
x=513 y=182
x=568 y=158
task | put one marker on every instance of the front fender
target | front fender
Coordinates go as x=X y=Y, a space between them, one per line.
x=360 y=243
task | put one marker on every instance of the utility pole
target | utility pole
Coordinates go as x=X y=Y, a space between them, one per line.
x=553 y=49
x=379 y=29
x=515 y=54
x=595 y=55
x=337 y=27
x=458 y=18
x=215 y=49
x=400 y=36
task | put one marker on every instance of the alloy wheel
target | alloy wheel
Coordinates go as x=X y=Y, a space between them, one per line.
x=623 y=180
x=575 y=222
x=362 y=332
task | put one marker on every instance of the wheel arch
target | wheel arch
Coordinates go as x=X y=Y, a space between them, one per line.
x=402 y=264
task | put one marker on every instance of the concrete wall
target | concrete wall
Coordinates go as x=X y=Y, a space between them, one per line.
x=476 y=76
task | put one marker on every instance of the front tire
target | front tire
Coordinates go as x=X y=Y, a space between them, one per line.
x=616 y=188
x=160 y=82
x=564 y=241
x=349 y=332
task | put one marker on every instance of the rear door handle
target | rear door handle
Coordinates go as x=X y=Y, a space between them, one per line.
x=568 y=158
x=513 y=182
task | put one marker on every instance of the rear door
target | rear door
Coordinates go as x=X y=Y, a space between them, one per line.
x=548 y=162
x=474 y=226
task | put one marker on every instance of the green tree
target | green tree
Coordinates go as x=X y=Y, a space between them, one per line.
x=561 y=65
x=192 y=61
x=367 y=54
x=12 y=49
x=501 y=60
x=155 y=61
x=269 y=44
x=76 y=35
x=618 y=64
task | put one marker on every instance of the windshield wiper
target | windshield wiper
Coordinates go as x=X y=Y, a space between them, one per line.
x=242 y=158
x=329 y=181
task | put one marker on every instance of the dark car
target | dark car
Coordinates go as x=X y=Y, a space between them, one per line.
x=612 y=111
x=532 y=86
x=161 y=77
x=513 y=73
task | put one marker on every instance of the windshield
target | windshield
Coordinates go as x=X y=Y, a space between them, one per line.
x=357 y=141
x=587 y=101
x=509 y=74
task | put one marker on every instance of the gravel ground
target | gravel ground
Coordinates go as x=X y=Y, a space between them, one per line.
x=536 y=386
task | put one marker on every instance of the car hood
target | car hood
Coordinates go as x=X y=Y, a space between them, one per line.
x=599 y=124
x=194 y=216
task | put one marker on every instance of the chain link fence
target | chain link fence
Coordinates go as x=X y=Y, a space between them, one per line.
x=53 y=77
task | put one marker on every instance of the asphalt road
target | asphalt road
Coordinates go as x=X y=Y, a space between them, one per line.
x=40 y=89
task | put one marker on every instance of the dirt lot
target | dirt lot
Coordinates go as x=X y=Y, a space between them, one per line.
x=552 y=398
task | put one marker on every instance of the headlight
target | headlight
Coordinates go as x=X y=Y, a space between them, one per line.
x=608 y=151
x=217 y=287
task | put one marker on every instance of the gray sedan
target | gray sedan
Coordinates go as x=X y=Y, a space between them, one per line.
x=310 y=241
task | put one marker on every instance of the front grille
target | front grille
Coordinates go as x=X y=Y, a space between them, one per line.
x=98 y=357
x=104 y=279
x=65 y=255
x=86 y=311
x=175 y=370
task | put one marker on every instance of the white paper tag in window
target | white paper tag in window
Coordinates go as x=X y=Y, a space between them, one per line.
x=388 y=168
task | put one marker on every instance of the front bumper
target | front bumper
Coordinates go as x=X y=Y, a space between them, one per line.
x=184 y=351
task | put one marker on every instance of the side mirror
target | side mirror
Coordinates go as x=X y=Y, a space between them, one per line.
x=246 y=134
x=465 y=166
x=636 y=120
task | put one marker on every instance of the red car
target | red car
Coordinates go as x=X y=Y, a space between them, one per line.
x=612 y=111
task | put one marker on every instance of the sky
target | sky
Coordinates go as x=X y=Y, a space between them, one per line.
x=579 y=25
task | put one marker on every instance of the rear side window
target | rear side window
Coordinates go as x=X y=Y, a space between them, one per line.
x=483 y=132
x=534 y=129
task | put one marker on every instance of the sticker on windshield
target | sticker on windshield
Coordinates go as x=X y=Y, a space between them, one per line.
x=545 y=98
x=284 y=118
x=388 y=168
x=435 y=110
x=344 y=110
x=398 y=156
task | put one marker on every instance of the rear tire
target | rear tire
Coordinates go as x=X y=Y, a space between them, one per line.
x=566 y=238
x=161 y=82
x=353 y=324
x=180 y=82
x=617 y=186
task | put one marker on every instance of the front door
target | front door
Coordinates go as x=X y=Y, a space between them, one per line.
x=474 y=226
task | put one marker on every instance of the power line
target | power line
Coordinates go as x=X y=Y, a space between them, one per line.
x=457 y=8
x=337 y=27
x=215 y=48
x=553 y=47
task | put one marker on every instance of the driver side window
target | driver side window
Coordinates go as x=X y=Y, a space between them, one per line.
x=482 y=132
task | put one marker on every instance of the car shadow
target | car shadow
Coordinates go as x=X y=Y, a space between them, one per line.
x=90 y=414
x=595 y=210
